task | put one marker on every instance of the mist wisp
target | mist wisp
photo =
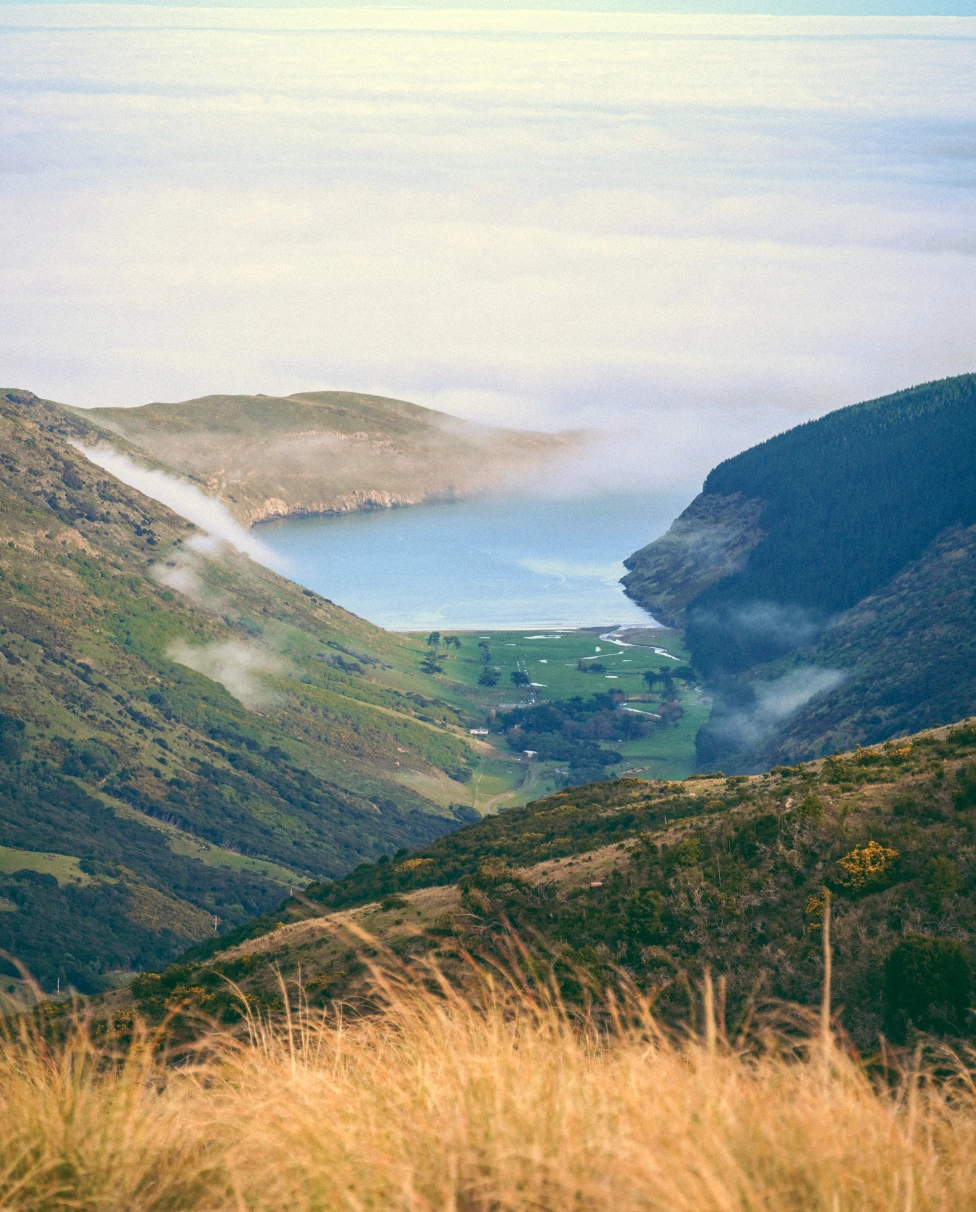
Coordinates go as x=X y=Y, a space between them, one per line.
x=238 y=667
x=745 y=724
x=184 y=498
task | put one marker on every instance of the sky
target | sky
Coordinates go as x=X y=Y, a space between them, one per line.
x=787 y=8
x=688 y=231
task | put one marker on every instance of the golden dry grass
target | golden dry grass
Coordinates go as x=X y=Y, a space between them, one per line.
x=440 y=1104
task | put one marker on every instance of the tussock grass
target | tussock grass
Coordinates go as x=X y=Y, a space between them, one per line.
x=504 y=1102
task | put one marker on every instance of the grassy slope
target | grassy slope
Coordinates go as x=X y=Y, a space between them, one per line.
x=177 y=799
x=509 y=1101
x=315 y=452
x=660 y=879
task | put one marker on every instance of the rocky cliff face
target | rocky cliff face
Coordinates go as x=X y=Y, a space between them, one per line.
x=274 y=508
x=709 y=541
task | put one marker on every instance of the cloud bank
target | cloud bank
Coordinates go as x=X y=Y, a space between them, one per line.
x=688 y=232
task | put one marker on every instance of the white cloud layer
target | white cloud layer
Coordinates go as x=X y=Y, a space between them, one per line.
x=687 y=231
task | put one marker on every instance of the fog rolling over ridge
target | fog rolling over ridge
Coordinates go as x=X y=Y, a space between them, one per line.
x=183 y=497
x=266 y=457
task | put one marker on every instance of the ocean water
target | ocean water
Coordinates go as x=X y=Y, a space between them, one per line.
x=489 y=562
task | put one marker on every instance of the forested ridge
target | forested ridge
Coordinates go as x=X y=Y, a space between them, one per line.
x=824 y=579
x=849 y=500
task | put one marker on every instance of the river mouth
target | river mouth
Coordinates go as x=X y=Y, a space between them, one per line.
x=488 y=562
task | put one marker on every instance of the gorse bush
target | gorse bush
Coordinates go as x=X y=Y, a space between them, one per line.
x=867 y=866
x=497 y=1099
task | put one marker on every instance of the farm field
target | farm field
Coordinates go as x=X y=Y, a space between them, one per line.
x=611 y=659
x=65 y=868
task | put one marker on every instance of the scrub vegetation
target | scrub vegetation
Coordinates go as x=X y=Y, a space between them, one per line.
x=653 y=884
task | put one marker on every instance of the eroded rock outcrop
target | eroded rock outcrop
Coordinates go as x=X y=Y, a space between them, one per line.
x=710 y=540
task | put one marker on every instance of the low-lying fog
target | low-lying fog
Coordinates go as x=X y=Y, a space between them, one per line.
x=690 y=232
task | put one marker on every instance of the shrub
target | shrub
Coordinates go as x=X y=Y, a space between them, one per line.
x=867 y=866
x=941 y=879
x=642 y=923
x=812 y=809
x=927 y=983
x=11 y=738
x=965 y=797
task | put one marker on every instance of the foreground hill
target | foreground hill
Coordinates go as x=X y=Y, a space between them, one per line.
x=825 y=580
x=328 y=451
x=183 y=735
x=660 y=882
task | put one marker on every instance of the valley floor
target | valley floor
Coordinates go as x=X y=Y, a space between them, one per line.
x=559 y=666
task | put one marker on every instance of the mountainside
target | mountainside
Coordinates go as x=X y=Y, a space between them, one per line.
x=183 y=734
x=658 y=882
x=902 y=659
x=824 y=579
x=328 y=451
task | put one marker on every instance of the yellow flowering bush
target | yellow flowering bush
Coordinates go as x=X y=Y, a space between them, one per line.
x=866 y=865
x=413 y=864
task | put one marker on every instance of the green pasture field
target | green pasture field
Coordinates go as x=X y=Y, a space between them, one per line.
x=64 y=867
x=550 y=659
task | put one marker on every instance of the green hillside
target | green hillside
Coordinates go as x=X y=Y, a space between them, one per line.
x=842 y=547
x=326 y=451
x=902 y=659
x=657 y=882
x=183 y=736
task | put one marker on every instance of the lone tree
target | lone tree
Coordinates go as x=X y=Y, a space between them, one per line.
x=519 y=678
x=433 y=639
x=488 y=677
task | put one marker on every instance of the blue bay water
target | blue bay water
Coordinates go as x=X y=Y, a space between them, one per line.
x=488 y=562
